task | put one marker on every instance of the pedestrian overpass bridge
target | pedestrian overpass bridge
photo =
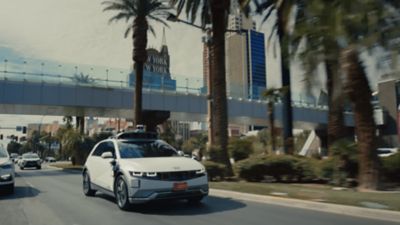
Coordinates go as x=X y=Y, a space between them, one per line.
x=34 y=93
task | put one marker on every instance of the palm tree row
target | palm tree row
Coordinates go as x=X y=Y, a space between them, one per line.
x=335 y=33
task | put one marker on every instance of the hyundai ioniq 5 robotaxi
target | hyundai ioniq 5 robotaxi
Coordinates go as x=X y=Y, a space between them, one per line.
x=137 y=167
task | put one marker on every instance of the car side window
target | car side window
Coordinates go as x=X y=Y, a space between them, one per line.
x=110 y=148
x=100 y=149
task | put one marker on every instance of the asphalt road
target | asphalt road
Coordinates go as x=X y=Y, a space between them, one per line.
x=54 y=197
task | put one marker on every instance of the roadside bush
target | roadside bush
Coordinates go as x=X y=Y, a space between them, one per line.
x=327 y=168
x=251 y=169
x=280 y=167
x=306 y=169
x=215 y=170
x=215 y=154
x=391 y=167
x=240 y=149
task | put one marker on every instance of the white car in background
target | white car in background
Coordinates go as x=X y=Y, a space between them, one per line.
x=386 y=152
x=7 y=172
x=30 y=160
x=137 y=167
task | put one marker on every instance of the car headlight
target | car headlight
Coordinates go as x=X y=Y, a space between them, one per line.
x=136 y=174
x=201 y=171
x=6 y=166
x=6 y=177
x=142 y=174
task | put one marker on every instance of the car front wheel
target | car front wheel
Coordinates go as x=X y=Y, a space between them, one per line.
x=87 y=189
x=121 y=193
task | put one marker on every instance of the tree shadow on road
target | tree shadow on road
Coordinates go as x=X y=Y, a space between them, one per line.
x=20 y=192
x=209 y=205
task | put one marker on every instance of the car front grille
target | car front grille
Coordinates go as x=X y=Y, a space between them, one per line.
x=31 y=163
x=176 y=176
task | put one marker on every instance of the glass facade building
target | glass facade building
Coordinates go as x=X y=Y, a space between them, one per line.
x=256 y=69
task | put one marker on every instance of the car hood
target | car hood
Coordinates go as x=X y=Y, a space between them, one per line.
x=4 y=160
x=162 y=164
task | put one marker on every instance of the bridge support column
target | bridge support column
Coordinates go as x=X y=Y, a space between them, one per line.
x=152 y=118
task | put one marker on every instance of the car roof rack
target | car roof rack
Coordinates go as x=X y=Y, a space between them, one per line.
x=136 y=135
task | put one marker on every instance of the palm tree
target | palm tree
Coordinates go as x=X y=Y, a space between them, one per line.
x=359 y=26
x=320 y=47
x=138 y=12
x=272 y=96
x=281 y=28
x=214 y=12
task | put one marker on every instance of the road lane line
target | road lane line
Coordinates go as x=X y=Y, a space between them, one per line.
x=30 y=184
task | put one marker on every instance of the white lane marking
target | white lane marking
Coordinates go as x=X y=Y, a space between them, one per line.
x=30 y=184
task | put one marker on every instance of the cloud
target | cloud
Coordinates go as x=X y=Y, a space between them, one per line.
x=77 y=32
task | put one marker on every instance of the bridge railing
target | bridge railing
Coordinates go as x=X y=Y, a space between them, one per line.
x=86 y=75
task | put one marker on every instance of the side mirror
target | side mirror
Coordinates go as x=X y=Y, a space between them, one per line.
x=195 y=157
x=107 y=155
x=181 y=153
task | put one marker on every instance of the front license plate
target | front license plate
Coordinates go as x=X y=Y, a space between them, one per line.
x=181 y=186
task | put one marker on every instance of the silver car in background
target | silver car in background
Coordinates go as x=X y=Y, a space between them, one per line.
x=7 y=171
x=30 y=160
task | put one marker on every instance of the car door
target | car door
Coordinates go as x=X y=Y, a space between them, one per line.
x=105 y=169
x=94 y=164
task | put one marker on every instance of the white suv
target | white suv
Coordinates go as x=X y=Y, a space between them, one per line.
x=136 y=167
x=7 y=172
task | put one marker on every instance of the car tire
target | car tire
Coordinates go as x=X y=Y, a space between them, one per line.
x=22 y=168
x=195 y=200
x=39 y=167
x=121 y=193
x=87 y=189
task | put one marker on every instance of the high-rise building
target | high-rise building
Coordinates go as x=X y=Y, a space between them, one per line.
x=245 y=58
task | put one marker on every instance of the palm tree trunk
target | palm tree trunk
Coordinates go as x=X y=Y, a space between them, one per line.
x=81 y=125
x=336 y=127
x=271 y=117
x=140 y=27
x=359 y=93
x=287 y=97
x=138 y=93
x=219 y=9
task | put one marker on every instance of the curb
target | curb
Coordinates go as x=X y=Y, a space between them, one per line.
x=378 y=214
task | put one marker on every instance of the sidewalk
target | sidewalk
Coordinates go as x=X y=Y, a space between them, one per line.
x=378 y=214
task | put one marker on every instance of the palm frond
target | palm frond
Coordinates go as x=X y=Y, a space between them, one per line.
x=127 y=10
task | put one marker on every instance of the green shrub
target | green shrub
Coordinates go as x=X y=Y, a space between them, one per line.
x=251 y=169
x=279 y=167
x=327 y=168
x=391 y=167
x=240 y=149
x=215 y=170
x=215 y=154
x=306 y=169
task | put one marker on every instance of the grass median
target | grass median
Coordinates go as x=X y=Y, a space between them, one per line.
x=318 y=193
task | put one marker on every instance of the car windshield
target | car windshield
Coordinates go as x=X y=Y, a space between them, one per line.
x=30 y=156
x=145 y=149
x=3 y=153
